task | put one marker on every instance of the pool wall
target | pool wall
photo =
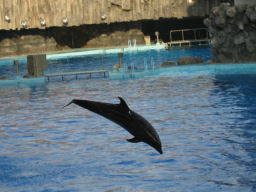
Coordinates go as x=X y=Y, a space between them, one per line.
x=105 y=51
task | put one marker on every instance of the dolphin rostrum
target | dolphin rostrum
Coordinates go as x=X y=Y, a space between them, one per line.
x=121 y=114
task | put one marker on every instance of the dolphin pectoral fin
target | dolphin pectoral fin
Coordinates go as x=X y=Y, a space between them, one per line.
x=134 y=140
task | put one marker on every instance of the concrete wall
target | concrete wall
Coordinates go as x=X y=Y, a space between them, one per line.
x=79 y=12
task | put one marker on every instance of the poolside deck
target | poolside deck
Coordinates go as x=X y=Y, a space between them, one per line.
x=76 y=74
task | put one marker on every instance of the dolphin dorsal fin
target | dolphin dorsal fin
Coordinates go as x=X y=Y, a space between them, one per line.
x=123 y=104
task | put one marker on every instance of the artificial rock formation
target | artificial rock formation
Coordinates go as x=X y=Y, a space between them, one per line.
x=52 y=13
x=41 y=26
x=168 y=64
x=233 y=33
x=189 y=60
x=37 y=41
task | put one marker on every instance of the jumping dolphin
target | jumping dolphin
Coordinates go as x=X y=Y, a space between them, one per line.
x=121 y=114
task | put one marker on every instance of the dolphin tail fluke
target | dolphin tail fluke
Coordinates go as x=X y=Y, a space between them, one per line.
x=160 y=150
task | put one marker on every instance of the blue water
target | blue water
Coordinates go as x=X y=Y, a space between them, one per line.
x=106 y=62
x=206 y=122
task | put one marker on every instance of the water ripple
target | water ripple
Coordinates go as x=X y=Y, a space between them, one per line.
x=206 y=127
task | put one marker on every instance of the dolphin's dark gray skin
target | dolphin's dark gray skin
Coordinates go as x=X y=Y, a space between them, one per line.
x=120 y=113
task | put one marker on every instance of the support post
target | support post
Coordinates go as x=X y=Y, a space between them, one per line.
x=194 y=34
x=157 y=37
x=120 y=56
x=16 y=63
x=36 y=64
x=170 y=36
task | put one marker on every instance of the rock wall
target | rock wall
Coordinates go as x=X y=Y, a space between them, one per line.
x=37 y=26
x=80 y=12
x=233 y=33
x=13 y=43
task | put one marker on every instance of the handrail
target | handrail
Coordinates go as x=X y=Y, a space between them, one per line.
x=183 y=35
x=192 y=29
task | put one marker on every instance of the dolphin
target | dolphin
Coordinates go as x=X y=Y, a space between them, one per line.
x=121 y=114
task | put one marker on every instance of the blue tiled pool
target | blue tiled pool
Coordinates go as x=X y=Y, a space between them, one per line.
x=205 y=118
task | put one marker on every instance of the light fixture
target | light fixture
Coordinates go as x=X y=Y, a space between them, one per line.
x=65 y=21
x=190 y=1
x=43 y=23
x=103 y=17
x=7 y=18
x=24 y=24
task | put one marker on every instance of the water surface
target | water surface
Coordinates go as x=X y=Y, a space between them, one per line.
x=206 y=123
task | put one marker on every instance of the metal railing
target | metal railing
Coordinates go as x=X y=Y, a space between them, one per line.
x=189 y=37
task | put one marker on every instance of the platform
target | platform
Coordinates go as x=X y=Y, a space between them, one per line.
x=76 y=74
x=189 y=37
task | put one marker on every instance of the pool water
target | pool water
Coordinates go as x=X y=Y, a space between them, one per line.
x=206 y=122
x=105 y=61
